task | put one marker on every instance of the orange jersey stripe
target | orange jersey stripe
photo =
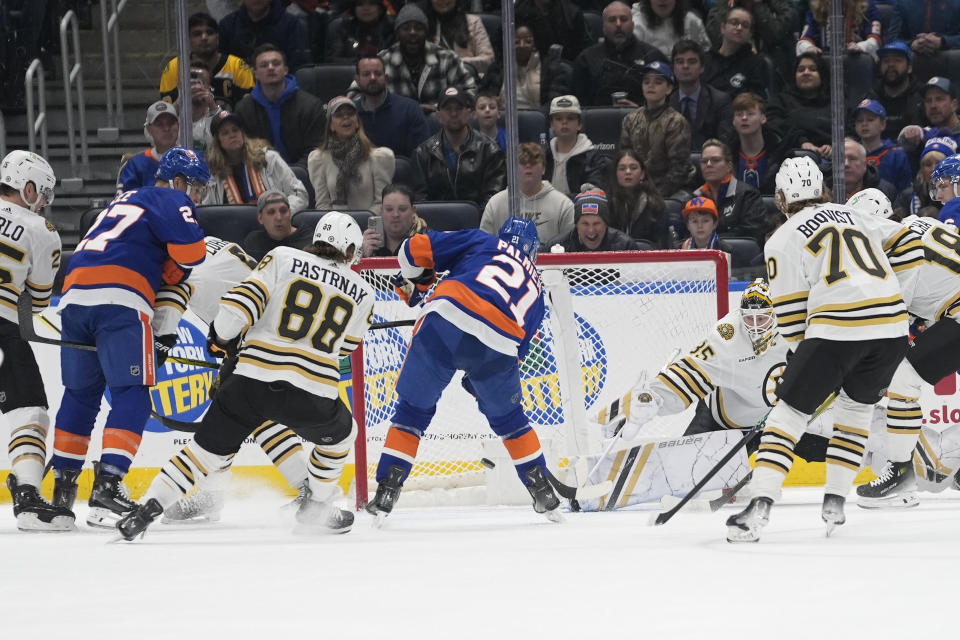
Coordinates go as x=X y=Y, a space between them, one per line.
x=188 y=254
x=523 y=446
x=150 y=371
x=402 y=441
x=483 y=309
x=421 y=251
x=121 y=439
x=70 y=443
x=110 y=275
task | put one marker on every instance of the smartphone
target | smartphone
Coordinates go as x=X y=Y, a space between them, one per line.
x=196 y=76
x=376 y=223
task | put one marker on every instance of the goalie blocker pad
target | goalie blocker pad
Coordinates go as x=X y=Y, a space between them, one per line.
x=648 y=472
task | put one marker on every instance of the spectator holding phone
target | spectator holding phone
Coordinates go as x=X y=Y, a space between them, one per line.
x=399 y=221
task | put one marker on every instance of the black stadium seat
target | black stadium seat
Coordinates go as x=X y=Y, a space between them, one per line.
x=326 y=81
x=310 y=217
x=532 y=126
x=857 y=76
x=594 y=22
x=602 y=124
x=450 y=215
x=87 y=219
x=742 y=251
x=231 y=222
x=493 y=24
x=304 y=177
x=407 y=173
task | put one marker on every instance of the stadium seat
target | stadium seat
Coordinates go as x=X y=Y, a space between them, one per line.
x=231 y=222
x=644 y=245
x=532 y=126
x=770 y=204
x=771 y=77
x=743 y=251
x=450 y=215
x=674 y=215
x=945 y=63
x=493 y=23
x=304 y=177
x=87 y=219
x=602 y=124
x=857 y=76
x=326 y=81
x=407 y=173
x=310 y=217
x=594 y=22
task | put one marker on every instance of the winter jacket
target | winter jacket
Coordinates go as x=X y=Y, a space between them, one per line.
x=648 y=222
x=603 y=69
x=714 y=117
x=662 y=136
x=374 y=174
x=398 y=123
x=478 y=53
x=663 y=36
x=735 y=74
x=479 y=173
x=293 y=123
x=551 y=77
x=907 y=108
x=354 y=39
x=549 y=209
x=615 y=240
x=941 y=17
x=741 y=209
x=797 y=119
x=275 y=176
x=585 y=163
x=892 y=164
x=442 y=68
x=240 y=35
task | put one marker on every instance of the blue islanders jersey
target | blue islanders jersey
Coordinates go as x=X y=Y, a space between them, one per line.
x=120 y=260
x=138 y=171
x=492 y=290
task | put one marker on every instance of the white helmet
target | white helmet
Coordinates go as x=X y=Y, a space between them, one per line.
x=341 y=231
x=757 y=315
x=20 y=167
x=872 y=201
x=799 y=179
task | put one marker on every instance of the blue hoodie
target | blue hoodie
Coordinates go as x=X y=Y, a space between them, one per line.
x=273 y=113
x=892 y=164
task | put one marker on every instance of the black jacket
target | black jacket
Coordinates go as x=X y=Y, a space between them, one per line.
x=591 y=166
x=902 y=110
x=797 y=119
x=615 y=240
x=303 y=120
x=742 y=212
x=481 y=169
x=714 y=117
x=601 y=69
x=743 y=71
x=562 y=24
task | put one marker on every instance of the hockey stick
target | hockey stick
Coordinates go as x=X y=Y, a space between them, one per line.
x=586 y=492
x=175 y=425
x=29 y=333
x=731 y=493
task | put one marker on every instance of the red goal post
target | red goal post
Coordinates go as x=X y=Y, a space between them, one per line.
x=608 y=315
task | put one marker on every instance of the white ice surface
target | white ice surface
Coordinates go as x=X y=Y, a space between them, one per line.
x=492 y=572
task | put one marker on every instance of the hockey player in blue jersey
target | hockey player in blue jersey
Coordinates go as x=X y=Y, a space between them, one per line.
x=480 y=319
x=943 y=188
x=145 y=238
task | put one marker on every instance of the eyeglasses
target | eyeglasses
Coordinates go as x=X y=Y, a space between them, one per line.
x=736 y=24
x=719 y=160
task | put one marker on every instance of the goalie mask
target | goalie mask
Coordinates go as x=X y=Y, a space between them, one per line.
x=756 y=315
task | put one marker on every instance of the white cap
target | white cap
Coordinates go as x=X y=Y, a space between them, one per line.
x=158 y=108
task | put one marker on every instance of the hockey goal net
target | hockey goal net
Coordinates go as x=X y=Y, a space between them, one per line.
x=609 y=315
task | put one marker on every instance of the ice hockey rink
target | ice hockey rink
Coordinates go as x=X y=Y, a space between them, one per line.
x=492 y=572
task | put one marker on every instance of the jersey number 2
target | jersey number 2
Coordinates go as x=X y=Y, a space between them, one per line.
x=128 y=214
x=500 y=280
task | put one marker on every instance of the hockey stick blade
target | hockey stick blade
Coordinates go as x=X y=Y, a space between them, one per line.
x=588 y=492
x=730 y=493
x=393 y=323
x=194 y=363
x=29 y=333
x=175 y=425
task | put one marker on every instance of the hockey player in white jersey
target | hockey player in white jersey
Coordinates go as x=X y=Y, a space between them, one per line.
x=301 y=313
x=933 y=296
x=29 y=259
x=225 y=266
x=832 y=280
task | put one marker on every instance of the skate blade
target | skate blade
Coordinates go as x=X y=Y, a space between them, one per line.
x=196 y=520
x=379 y=519
x=904 y=501
x=31 y=523
x=100 y=518
x=832 y=526
x=736 y=535
x=554 y=515
x=304 y=529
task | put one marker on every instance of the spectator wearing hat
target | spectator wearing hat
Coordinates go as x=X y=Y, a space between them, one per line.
x=732 y=66
x=276 y=220
x=940 y=108
x=659 y=133
x=706 y=108
x=161 y=128
x=701 y=219
x=457 y=162
x=421 y=70
x=549 y=209
x=364 y=29
x=278 y=111
x=896 y=88
x=400 y=221
x=242 y=169
x=605 y=70
x=858 y=175
x=934 y=150
x=259 y=22
x=757 y=149
x=592 y=230
x=930 y=26
x=890 y=161
x=347 y=170
x=388 y=119
x=572 y=159
x=740 y=209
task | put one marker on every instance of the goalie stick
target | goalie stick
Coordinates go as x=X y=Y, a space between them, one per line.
x=29 y=333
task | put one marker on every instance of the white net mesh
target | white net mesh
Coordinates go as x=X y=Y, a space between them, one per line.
x=629 y=313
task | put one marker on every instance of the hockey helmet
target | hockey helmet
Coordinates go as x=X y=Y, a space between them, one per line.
x=341 y=231
x=521 y=233
x=799 y=179
x=946 y=171
x=20 y=167
x=185 y=162
x=872 y=201
x=756 y=314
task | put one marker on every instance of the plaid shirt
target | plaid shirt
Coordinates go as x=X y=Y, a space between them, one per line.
x=441 y=69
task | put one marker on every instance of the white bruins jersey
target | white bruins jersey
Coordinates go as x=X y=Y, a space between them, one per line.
x=225 y=266
x=832 y=274
x=739 y=386
x=935 y=292
x=304 y=314
x=29 y=258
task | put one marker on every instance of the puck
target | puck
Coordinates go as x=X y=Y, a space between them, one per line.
x=487 y=462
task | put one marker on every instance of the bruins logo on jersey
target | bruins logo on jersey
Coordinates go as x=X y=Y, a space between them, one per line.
x=50 y=226
x=725 y=330
x=771 y=381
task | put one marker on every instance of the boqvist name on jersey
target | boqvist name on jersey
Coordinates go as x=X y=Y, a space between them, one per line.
x=320 y=274
x=822 y=217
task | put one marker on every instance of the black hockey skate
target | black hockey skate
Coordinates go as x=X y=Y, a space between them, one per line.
x=135 y=522
x=304 y=492
x=65 y=488
x=109 y=499
x=545 y=499
x=894 y=488
x=324 y=517
x=33 y=513
x=746 y=525
x=200 y=507
x=388 y=491
x=832 y=511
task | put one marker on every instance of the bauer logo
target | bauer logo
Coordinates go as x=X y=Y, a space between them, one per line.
x=182 y=391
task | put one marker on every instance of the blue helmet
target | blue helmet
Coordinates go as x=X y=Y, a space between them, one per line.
x=947 y=170
x=521 y=233
x=185 y=162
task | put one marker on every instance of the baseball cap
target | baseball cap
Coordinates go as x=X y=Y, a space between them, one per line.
x=222 y=118
x=336 y=103
x=452 y=93
x=591 y=203
x=565 y=104
x=704 y=205
x=659 y=67
x=157 y=109
x=872 y=106
x=271 y=197
x=938 y=82
x=897 y=47
x=945 y=145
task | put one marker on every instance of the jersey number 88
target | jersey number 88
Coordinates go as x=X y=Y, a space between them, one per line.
x=300 y=309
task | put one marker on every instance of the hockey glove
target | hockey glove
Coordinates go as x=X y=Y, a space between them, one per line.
x=220 y=348
x=173 y=273
x=162 y=346
x=645 y=404
x=411 y=293
x=229 y=364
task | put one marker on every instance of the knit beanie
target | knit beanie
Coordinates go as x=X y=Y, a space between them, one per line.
x=410 y=13
x=591 y=203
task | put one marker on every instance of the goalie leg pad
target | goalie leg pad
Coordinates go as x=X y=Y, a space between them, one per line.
x=851 y=428
x=784 y=427
x=28 y=443
x=904 y=415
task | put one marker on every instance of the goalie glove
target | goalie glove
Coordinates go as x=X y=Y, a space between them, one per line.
x=220 y=348
x=162 y=346
x=410 y=291
x=644 y=405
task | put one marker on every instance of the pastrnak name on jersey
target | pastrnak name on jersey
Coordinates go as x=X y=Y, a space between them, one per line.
x=307 y=269
x=824 y=216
